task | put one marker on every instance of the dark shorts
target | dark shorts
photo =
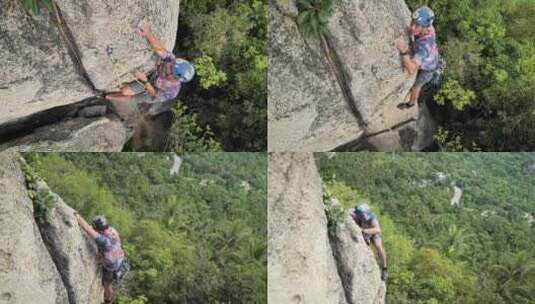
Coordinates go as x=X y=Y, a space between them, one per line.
x=372 y=237
x=108 y=276
x=424 y=77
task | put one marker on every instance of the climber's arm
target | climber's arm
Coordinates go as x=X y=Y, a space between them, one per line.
x=85 y=226
x=150 y=89
x=408 y=63
x=373 y=230
x=144 y=30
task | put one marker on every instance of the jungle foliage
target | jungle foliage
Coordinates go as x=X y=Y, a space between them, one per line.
x=227 y=41
x=482 y=251
x=198 y=236
x=489 y=87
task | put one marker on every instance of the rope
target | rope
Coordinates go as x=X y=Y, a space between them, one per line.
x=73 y=49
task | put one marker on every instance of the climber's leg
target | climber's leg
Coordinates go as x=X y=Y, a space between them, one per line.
x=118 y=97
x=415 y=93
x=378 y=243
x=107 y=284
x=423 y=78
x=126 y=90
x=108 y=292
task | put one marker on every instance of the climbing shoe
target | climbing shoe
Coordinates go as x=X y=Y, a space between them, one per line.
x=384 y=274
x=405 y=105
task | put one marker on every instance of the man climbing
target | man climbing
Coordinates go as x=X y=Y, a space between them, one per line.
x=160 y=86
x=371 y=230
x=112 y=254
x=425 y=61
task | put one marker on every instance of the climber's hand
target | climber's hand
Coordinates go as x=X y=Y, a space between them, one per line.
x=144 y=28
x=140 y=75
x=401 y=45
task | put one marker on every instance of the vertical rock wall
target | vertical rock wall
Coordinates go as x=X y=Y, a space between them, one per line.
x=303 y=265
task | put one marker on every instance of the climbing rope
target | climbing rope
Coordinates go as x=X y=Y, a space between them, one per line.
x=73 y=49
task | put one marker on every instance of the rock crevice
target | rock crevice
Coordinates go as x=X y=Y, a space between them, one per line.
x=53 y=60
x=319 y=86
x=48 y=261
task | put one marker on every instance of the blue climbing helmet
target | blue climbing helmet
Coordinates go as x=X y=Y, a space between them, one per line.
x=362 y=209
x=423 y=16
x=99 y=223
x=184 y=70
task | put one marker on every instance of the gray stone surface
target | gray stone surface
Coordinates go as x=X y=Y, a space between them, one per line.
x=102 y=134
x=301 y=266
x=363 y=36
x=74 y=253
x=98 y=24
x=307 y=111
x=304 y=265
x=27 y=272
x=36 y=70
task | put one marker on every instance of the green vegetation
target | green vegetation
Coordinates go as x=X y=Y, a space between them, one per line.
x=198 y=236
x=42 y=200
x=489 y=84
x=186 y=135
x=482 y=251
x=314 y=16
x=227 y=41
x=35 y=5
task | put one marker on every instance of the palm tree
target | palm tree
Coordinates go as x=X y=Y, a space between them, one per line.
x=516 y=277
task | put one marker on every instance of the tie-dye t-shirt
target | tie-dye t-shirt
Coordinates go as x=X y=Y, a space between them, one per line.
x=164 y=81
x=426 y=51
x=110 y=247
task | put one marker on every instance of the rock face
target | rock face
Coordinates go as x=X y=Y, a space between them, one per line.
x=54 y=263
x=300 y=261
x=95 y=25
x=36 y=71
x=101 y=134
x=307 y=109
x=39 y=72
x=457 y=195
x=303 y=265
x=74 y=252
x=27 y=272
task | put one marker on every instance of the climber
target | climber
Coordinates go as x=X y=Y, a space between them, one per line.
x=112 y=254
x=162 y=85
x=426 y=60
x=368 y=222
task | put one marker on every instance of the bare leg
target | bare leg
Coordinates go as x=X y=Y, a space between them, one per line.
x=415 y=93
x=108 y=292
x=380 y=251
x=118 y=97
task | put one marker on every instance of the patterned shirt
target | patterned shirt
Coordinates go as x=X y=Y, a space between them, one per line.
x=164 y=81
x=366 y=220
x=110 y=247
x=426 y=51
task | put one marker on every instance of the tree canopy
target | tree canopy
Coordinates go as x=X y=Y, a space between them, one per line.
x=198 y=236
x=480 y=251
x=489 y=87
